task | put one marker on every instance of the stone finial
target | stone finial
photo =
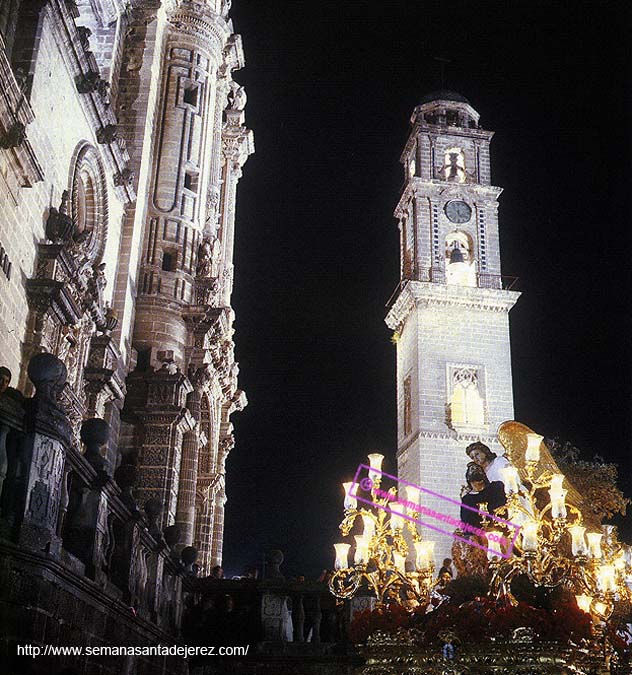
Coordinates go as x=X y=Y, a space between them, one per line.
x=189 y=556
x=153 y=509
x=274 y=560
x=49 y=375
x=95 y=433
x=126 y=477
x=172 y=535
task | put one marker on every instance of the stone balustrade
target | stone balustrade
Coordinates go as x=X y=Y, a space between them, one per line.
x=74 y=543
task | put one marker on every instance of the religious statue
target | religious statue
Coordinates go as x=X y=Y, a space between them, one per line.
x=225 y=8
x=205 y=258
x=238 y=98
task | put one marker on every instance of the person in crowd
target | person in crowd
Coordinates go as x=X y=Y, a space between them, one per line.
x=5 y=379
x=324 y=577
x=489 y=461
x=445 y=567
x=217 y=572
x=251 y=572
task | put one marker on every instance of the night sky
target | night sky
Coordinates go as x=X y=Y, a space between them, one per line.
x=331 y=86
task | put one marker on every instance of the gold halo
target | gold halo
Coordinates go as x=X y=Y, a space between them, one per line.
x=513 y=437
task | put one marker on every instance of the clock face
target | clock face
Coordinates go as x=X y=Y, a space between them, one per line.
x=458 y=211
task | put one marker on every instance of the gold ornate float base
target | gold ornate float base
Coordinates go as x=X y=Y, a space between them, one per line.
x=390 y=655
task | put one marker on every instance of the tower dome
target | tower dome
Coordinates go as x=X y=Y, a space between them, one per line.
x=443 y=95
x=445 y=108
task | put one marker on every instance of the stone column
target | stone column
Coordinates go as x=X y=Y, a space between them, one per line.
x=134 y=94
x=165 y=420
x=180 y=170
x=185 y=512
x=237 y=145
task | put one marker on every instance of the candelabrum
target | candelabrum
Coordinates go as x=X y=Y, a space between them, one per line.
x=553 y=547
x=381 y=551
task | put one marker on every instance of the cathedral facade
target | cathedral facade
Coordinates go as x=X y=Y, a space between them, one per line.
x=450 y=314
x=123 y=138
x=122 y=142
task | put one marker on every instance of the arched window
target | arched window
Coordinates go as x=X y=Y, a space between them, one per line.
x=459 y=264
x=89 y=203
x=467 y=408
x=454 y=165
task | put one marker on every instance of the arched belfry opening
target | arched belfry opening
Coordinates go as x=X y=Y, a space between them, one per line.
x=459 y=261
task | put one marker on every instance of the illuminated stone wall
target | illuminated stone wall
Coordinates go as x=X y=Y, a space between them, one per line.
x=122 y=140
x=449 y=335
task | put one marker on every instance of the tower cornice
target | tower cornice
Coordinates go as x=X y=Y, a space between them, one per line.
x=195 y=22
x=431 y=131
x=427 y=294
x=446 y=191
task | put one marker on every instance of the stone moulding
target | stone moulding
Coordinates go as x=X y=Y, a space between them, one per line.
x=428 y=294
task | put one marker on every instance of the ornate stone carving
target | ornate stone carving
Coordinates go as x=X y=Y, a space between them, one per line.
x=237 y=97
x=106 y=135
x=92 y=81
x=59 y=225
x=84 y=36
x=14 y=136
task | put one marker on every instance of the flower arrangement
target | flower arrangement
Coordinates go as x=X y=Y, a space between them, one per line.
x=388 y=619
x=476 y=620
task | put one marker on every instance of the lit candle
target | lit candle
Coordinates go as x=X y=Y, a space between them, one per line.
x=494 y=549
x=421 y=559
x=533 y=447
x=601 y=609
x=430 y=551
x=424 y=552
x=510 y=478
x=606 y=578
x=556 y=482
x=558 y=506
x=375 y=460
x=400 y=562
x=342 y=553
x=397 y=521
x=584 y=602
x=412 y=495
x=578 y=543
x=350 y=502
x=619 y=561
x=369 y=526
x=594 y=544
x=362 y=550
x=529 y=534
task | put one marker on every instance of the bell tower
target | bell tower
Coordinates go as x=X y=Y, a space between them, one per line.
x=450 y=313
